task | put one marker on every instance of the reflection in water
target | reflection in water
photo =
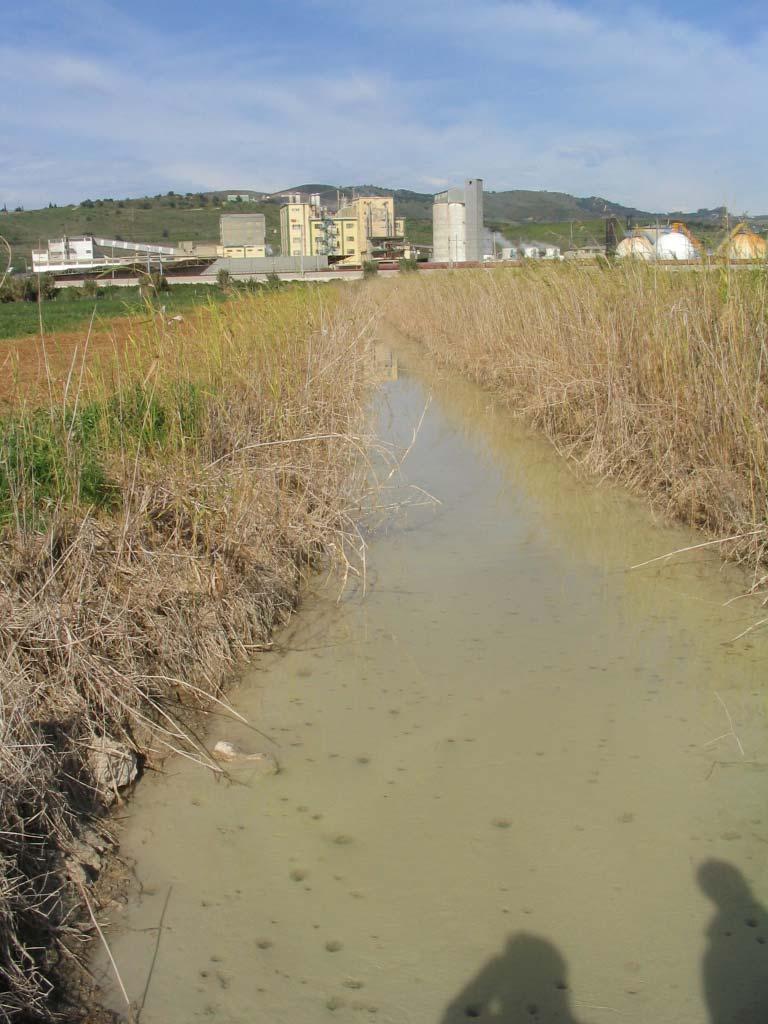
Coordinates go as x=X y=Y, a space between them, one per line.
x=525 y=984
x=736 y=961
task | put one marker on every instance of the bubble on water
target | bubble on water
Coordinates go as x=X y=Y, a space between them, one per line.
x=333 y=946
x=264 y=943
x=298 y=875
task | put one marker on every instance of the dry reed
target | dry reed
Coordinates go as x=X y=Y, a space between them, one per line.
x=651 y=377
x=157 y=521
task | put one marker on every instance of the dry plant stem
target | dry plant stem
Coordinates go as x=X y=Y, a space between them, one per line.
x=234 y=451
x=656 y=379
x=108 y=951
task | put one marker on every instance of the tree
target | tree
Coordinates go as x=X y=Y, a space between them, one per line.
x=223 y=279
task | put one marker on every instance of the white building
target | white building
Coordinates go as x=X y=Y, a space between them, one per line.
x=69 y=251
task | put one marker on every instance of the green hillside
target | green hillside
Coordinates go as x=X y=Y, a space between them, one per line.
x=514 y=205
x=160 y=219
x=564 y=233
x=518 y=214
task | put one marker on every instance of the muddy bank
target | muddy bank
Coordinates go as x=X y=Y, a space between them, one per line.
x=518 y=781
x=149 y=549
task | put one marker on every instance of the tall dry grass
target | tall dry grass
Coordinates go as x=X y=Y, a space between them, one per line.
x=651 y=377
x=157 y=519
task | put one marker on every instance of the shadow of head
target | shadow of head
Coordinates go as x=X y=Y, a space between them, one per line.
x=724 y=884
x=735 y=965
x=526 y=981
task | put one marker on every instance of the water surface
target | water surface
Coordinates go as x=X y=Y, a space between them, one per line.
x=520 y=782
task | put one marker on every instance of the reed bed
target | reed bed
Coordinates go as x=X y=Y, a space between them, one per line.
x=157 y=517
x=653 y=378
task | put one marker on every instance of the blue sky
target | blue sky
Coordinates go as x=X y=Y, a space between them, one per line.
x=654 y=105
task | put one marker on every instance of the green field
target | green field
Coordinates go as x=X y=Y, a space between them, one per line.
x=19 y=319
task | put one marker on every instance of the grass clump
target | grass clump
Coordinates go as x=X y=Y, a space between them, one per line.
x=653 y=378
x=158 y=517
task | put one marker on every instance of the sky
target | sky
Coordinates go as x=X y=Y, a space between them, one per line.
x=658 y=106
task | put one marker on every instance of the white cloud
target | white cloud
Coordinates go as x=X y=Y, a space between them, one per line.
x=652 y=112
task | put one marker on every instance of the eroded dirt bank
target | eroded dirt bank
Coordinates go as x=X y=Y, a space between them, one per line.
x=519 y=781
x=158 y=517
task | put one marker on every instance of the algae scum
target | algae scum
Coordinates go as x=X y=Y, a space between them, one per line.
x=519 y=782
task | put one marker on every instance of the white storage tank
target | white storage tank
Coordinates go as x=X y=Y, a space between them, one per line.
x=674 y=245
x=635 y=247
x=449 y=232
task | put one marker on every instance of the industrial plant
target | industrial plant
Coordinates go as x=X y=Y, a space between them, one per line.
x=321 y=232
x=676 y=242
x=361 y=229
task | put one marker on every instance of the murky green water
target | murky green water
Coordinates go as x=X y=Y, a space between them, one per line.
x=520 y=783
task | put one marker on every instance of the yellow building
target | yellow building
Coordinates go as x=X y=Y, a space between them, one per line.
x=350 y=233
x=295 y=232
x=240 y=252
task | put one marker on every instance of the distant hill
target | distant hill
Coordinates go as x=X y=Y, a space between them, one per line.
x=518 y=206
x=518 y=214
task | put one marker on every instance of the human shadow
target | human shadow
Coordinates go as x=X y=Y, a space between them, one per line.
x=735 y=967
x=525 y=984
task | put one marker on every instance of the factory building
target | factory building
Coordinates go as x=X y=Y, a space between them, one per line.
x=457 y=223
x=362 y=229
x=242 y=235
x=69 y=251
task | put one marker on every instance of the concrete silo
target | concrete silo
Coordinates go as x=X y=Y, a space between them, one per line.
x=457 y=224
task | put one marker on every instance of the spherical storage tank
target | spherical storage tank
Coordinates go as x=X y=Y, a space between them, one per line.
x=674 y=245
x=746 y=246
x=637 y=246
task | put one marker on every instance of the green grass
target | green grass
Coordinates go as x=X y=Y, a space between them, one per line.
x=47 y=458
x=19 y=319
